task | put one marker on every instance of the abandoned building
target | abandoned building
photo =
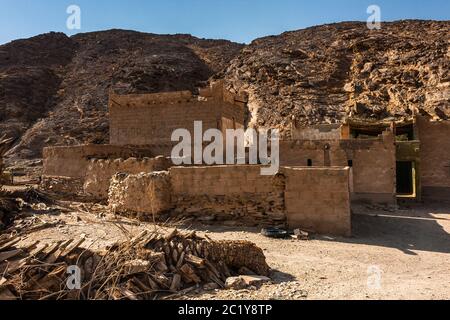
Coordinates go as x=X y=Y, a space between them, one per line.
x=325 y=169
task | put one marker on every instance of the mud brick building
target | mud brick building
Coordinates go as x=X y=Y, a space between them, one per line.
x=150 y=119
x=325 y=169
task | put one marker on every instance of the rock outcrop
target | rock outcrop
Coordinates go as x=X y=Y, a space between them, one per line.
x=324 y=74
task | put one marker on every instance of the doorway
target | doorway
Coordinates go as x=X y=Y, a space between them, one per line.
x=406 y=179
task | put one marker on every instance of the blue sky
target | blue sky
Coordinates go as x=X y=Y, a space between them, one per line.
x=237 y=20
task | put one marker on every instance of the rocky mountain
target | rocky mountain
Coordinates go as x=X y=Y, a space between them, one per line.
x=54 y=89
x=324 y=74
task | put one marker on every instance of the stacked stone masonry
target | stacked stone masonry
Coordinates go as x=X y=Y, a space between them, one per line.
x=100 y=172
x=239 y=195
x=143 y=196
x=224 y=193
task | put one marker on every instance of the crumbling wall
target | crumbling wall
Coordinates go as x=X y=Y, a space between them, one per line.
x=318 y=200
x=228 y=193
x=99 y=172
x=143 y=196
x=435 y=158
x=368 y=158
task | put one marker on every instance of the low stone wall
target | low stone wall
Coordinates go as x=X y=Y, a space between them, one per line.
x=237 y=193
x=100 y=172
x=314 y=199
x=228 y=193
x=144 y=196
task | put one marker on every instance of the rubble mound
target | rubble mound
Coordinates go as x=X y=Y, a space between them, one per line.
x=54 y=88
x=326 y=73
x=148 y=266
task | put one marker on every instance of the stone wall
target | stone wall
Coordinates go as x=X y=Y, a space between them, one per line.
x=150 y=119
x=435 y=158
x=100 y=172
x=373 y=163
x=228 y=193
x=144 y=196
x=318 y=200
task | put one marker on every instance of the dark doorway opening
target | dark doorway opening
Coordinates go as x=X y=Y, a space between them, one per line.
x=406 y=178
x=405 y=133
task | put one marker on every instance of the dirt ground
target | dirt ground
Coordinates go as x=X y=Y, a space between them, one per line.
x=392 y=255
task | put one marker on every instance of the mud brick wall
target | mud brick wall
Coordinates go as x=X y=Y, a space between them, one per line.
x=99 y=172
x=315 y=199
x=73 y=161
x=319 y=132
x=143 y=196
x=318 y=200
x=435 y=158
x=150 y=119
x=228 y=193
x=143 y=124
x=370 y=158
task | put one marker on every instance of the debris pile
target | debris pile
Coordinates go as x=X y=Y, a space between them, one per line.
x=151 y=265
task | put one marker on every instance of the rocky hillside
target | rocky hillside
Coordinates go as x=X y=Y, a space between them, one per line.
x=54 y=89
x=326 y=73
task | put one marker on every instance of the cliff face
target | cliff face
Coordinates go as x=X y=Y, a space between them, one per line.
x=54 y=89
x=326 y=73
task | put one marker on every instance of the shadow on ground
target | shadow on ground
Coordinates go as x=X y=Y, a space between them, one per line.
x=413 y=230
x=410 y=229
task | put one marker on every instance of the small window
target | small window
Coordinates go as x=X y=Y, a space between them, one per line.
x=310 y=163
x=350 y=163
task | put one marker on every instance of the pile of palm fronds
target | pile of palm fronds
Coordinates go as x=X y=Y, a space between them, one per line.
x=149 y=266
